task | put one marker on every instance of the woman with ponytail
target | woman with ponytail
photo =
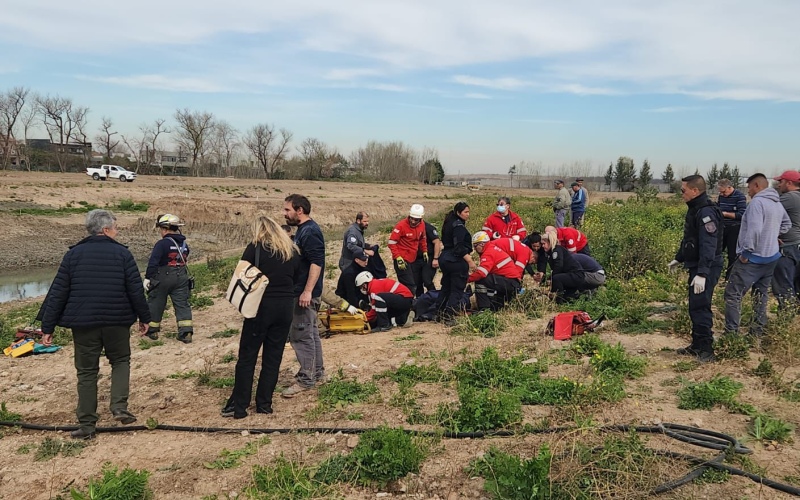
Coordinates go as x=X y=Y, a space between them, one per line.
x=455 y=262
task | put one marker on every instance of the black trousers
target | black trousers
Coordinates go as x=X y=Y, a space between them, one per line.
x=391 y=305
x=730 y=234
x=700 y=309
x=493 y=291
x=567 y=285
x=268 y=330
x=406 y=276
x=454 y=281
x=586 y=250
x=425 y=281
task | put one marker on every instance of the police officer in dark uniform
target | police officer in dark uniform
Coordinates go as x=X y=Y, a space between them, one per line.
x=701 y=253
x=428 y=269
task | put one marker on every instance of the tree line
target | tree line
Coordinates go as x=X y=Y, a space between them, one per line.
x=624 y=176
x=200 y=143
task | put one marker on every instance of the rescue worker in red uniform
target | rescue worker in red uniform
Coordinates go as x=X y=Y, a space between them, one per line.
x=408 y=239
x=521 y=254
x=571 y=239
x=497 y=278
x=389 y=299
x=504 y=223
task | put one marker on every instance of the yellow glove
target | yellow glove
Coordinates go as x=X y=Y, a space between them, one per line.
x=401 y=263
x=425 y=256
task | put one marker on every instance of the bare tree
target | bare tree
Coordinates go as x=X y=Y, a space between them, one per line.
x=529 y=174
x=106 y=139
x=12 y=103
x=150 y=142
x=63 y=121
x=136 y=148
x=79 y=134
x=225 y=142
x=194 y=130
x=313 y=153
x=392 y=161
x=26 y=120
x=268 y=148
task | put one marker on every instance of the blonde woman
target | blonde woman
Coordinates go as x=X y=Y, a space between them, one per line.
x=274 y=253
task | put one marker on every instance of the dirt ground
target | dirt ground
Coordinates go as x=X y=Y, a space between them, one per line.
x=42 y=388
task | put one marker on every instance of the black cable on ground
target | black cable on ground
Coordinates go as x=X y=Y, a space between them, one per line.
x=698 y=437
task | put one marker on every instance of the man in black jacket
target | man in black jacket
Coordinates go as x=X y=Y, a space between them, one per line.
x=700 y=252
x=733 y=204
x=98 y=293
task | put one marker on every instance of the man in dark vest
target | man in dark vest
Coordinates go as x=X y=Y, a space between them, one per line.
x=700 y=252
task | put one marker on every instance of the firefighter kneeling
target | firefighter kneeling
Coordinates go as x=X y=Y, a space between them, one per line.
x=497 y=278
x=389 y=299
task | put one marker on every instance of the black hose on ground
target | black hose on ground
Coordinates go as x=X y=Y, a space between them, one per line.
x=698 y=437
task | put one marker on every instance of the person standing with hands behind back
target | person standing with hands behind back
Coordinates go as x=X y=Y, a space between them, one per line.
x=98 y=293
x=700 y=252
x=278 y=259
x=732 y=203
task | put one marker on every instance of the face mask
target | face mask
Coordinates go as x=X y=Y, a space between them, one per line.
x=502 y=208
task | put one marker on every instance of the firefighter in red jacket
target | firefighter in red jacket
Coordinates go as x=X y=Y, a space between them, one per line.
x=571 y=239
x=497 y=278
x=521 y=254
x=504 y=223
x=405 y=242
x=389 y=299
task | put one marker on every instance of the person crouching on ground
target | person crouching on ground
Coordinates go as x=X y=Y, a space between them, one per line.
x=167 y=276
x=98 y=293
x=497 y=277
x=278 y=258
x=389 y=299
x=568 y=277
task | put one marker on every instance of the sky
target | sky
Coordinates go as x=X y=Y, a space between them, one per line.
x=488 y=84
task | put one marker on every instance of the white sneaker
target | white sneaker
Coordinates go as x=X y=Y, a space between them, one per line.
x=410 y=320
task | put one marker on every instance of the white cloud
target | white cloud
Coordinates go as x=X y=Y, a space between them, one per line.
x=161 y=82
x=674 y=109
x=711 y=49
x=477 y=95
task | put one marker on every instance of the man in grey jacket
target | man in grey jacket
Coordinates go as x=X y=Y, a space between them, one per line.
x=353 y=242
x=561 y=203
x=758 y=253
x=787 y=270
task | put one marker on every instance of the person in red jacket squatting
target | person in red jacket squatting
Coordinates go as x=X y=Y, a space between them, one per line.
x=408 y=239
x=504 y=223
x=388 y=298
x=521 y=254
x=571 y=239
x=497 y=278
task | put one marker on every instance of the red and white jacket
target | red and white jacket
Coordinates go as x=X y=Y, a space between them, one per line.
x=495 y=223
x=387 y=285
x=494 y=261
x=516 y=250
x=571 y=239
x=405 y=241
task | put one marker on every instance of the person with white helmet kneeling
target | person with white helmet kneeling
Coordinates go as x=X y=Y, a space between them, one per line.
x=389 y=299
x=497 y=277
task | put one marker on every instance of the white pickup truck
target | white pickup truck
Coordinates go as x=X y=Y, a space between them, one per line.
x=106 y=172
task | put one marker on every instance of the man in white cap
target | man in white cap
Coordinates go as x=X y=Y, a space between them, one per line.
x=407 y=239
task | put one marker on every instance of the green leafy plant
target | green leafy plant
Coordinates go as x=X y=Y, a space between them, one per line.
x=226 y=333
x=713 y=476
x=614 y=359
x=340 y=392
x=411 y=374
x=52 y=447
x=285 y=479
x=733 y=346
x=145 y=344
x=228 y=357
x=685 y=366
x=228 y=459
x=705 y=395
x=8 y=416
x=511 y=478
x=480 y=410
x=768 y=428
x=485 y=324
x=183 y=375
x=129 y=484
x=413 y=336
x=381 y=455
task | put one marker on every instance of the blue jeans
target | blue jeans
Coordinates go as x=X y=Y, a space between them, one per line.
x=787 y=272
x=743 y=277
x=560 y=215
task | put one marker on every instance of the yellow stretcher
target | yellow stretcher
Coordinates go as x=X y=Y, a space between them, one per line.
x=335 y=321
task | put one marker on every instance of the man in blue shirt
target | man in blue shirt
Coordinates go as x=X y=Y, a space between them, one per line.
x=732 y=203
x=578 y=205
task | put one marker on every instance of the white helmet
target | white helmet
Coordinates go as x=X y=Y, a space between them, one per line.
x=363 y=278
x=168 y=220
x=417 y=211
x=480 y=237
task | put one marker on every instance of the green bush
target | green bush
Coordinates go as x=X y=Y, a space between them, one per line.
x=285 y=480
x=705 y=395
x=509 y=477
x=768 y=428
x=481 y=410
x=733 y=346
x=484 y=323
x=7 y=416
x=340 y=392
x=615 y=360
x=409 y=375
x=129 y=484
x=381 y=455
x=492 y=371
